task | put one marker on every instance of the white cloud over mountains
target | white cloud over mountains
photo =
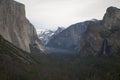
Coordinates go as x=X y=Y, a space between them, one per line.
x=48 y=14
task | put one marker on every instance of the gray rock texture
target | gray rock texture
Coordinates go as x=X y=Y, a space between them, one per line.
x=69 y=39
x=15 y=27
x=109 y=28
x=86 y=38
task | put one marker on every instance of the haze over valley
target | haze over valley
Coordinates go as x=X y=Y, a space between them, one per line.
x=39 y=41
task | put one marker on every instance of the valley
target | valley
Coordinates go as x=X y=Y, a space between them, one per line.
x=88 y=50
x=19 y=65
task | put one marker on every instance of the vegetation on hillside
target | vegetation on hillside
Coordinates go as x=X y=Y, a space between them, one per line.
x=16 y=64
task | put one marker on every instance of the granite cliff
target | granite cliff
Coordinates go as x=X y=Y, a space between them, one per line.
x=15 y=27
x=70 y=38
x=96 y=37
x=87 y=38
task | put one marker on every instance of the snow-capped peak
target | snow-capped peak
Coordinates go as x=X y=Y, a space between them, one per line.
x=45 y=35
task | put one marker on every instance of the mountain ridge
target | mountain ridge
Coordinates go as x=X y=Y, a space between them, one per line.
x=45 y=34
x=91 y=40
x=17 y=63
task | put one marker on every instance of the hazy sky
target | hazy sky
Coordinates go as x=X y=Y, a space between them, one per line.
x=49 y=14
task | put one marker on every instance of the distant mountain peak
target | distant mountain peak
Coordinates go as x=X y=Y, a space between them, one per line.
x=85 y=37
x=45 y=34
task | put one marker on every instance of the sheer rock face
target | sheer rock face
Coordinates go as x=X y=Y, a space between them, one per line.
x=69 y=39
x=14 y=26
x=111 y=21
x=86 y=39
x=112 y=17
x=92 y=40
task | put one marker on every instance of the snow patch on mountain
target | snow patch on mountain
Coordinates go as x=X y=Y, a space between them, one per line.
x=45 y=35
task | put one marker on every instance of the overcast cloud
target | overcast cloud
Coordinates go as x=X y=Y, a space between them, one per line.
x=49 y=14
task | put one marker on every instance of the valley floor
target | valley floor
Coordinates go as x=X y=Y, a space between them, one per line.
x=16 y=64
x=73 y=67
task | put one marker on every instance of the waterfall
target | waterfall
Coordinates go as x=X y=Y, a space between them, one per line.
x=105 y=48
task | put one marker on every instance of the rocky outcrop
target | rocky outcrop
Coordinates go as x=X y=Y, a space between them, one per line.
x=87 y=38
x=108 y=29
x=91 y=40
x=69 y=39
x=111 y=17
x=111 y=21
x=59 y=29
x=14 y=26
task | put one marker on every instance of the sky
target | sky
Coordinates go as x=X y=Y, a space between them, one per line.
x=50 y=14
